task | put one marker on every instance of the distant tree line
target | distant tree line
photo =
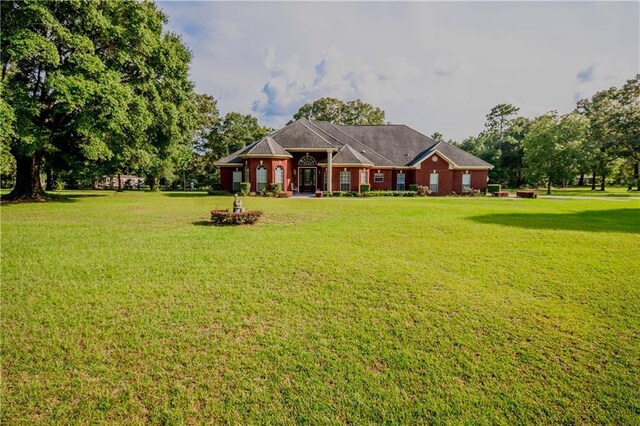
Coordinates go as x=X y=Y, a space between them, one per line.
x=599 y=139
x=337 y=111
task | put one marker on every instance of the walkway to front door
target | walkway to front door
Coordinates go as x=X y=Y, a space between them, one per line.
x=307 y=177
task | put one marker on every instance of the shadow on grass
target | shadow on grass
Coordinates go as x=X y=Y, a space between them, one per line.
x=618 y=220
x=51 y=198
x=185 y=194
x=201 y=223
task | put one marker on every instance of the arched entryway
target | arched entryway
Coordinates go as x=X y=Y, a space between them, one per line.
x=307 y=174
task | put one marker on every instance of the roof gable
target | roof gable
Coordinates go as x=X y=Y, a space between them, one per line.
x=348 y=155
x=265 y=147
x=302 y=135
x=457 y=157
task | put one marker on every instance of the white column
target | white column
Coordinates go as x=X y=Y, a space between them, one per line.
x=329 y=173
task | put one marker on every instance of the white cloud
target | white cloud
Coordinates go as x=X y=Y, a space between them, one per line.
x=336 y=75
x=434 y=66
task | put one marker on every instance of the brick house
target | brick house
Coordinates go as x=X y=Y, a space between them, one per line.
x=306 y=155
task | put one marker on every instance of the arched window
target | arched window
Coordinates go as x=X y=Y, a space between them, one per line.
x=261 y=177
x=307 y=161
x=280 y=176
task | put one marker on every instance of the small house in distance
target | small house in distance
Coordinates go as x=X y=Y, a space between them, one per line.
x=309 y=156
x=126 y=182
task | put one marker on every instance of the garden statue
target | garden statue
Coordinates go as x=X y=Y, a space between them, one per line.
x=237 y=204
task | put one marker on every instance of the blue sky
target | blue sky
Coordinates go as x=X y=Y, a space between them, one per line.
x=435 y=66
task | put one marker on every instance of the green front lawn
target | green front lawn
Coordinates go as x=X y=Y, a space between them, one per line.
x=585 y=191
x=127 y=308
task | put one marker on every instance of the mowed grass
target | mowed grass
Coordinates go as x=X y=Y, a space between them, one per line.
x=125 y=308
x=585 y=191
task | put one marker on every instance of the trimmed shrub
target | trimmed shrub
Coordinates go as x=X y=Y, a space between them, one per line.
x=365 y=187
x=327 y=194
x=275 y=188
x=216 y=186
x=413 y=187
x=245 y=187
x=493 y=187
x=423 y=191
x=338 y=193
x=390 y=194
x=225 y=217
x=217 y=192
x=266 y=192
x=284 y=194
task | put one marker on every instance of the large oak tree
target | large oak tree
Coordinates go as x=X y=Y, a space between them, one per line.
x=96 y=81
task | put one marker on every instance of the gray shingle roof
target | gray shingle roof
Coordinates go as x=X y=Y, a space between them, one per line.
x=302 y=134
x=348 y=155
x=266 y=147
x=234 y=157
x=398 y=143
x=336 y=133
x=382 y=146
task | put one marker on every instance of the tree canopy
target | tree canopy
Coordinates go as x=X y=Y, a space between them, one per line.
x=553 y=145
x=339 y=112
x=92 y=81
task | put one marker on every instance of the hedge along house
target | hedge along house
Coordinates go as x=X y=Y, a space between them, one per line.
x=308 y=156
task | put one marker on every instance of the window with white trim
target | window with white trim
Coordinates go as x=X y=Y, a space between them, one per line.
x=345 y=181
x=400 y=182
x=261 y=177
x=280 y=176
x=247 y=174
x=363 y=177
x=433 y=182
x=466 y=182
x=378 y=177
x=237 y=178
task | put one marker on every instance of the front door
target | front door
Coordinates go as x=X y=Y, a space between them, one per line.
x=307 y=179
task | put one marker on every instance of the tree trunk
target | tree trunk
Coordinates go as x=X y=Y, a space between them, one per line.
x=581 y=181
x=28 y=185
x=184 y=180
x=119 y=183
x=549 y=186
x=636 y=174
x=593 y=181
x=602 y=184
x=153 y=183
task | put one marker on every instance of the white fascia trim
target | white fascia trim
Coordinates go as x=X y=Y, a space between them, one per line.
x=347 y=165
x=312 y=149
x=264 y=156
x=228 y=164
x=473 y=168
